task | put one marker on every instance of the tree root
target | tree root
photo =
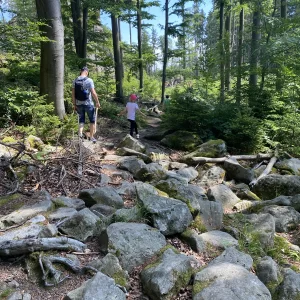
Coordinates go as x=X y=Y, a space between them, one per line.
x=52 y=276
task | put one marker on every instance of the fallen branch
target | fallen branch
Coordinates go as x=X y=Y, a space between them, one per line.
x=18 y=247
x=265 y=172
x=259 y=156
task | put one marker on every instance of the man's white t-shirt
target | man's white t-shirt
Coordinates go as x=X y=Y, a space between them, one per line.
x=131 y=107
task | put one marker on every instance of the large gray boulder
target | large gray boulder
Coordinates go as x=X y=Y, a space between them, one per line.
x=289 y=289
x=191 y=237
x=286 y=217
x=151 y=172
x=132 y=143
x=164 y=279
x=62 y=201
x=190 y=194
x=228 y=281
x=169 y=216
x=110 y=266
x=291 y=165
x=132 y=243
x=102 y=287
x=131 y=164
x=129 y=152
x=234 y=256
x=81 y=225
x=189 y=173
x=44 y=204
x=271 y=186
x=262 y=226
x=218 y=239
x=181 y=140
x=212 y=148
x=34 y=228
x=102 y=195
x=267 y=270
x=237 y=172
x=223 y=194
x=61 y=213
x=213 y=176
x=211 y=214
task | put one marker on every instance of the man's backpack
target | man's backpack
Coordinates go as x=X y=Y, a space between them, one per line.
x=81 y=93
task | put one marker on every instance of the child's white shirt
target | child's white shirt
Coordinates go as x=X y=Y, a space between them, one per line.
x=131 y=108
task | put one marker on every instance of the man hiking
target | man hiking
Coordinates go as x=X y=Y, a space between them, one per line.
x=82 y=91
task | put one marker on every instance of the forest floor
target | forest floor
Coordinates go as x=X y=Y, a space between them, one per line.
x=109 y=131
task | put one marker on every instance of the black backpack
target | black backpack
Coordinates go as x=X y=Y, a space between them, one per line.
x=81 y=94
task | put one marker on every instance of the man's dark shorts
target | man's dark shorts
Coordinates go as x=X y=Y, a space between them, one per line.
x=89 y=109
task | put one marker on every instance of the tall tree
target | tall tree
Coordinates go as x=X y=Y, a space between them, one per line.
x=139 y=36
x=80 y=18
x=117 y=57
x=52 y=54
x=165 y=59
x=240 y=54
x=222 y=52
x=255 y=40
x=228 y=47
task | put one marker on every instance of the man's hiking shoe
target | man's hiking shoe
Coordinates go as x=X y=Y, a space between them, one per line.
x=93 y=140
x=81 y=137
x=137 y=136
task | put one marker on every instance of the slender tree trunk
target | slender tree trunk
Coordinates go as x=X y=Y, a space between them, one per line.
x=228 y=49
x=222 y=56
x=52 y=54
x=183 y=37
x=84 y=31
x=120 y=41
x=265 y=68
x=80 y=24
x=77 y=26
x=117 y=58
x=139 y=36
x=254 y=55
x=130 y=34
x=165 y=61
x=240 y=56
x=279 y=77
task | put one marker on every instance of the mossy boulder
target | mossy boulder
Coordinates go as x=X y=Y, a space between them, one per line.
x=181 y=140
x=212 y=148
x=272 y=186
x=34 y=142
x=8 y=140
x=164 y=279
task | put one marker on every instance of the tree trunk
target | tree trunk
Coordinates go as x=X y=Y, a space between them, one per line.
x=222 y=65
x=117 y=58
x=52 y=54
x=228 y=49
x=80 y=17
x=165 y=61
x=279 y=77
x=240 y=56
x=121 y=50
x=84 y=31
x=254 y=55
x=139 y=36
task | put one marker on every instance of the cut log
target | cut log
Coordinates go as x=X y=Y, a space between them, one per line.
x=265 y=172
x=19 y=247
x=237 y=157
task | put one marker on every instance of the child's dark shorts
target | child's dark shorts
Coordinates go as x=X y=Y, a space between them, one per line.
x=89 y=109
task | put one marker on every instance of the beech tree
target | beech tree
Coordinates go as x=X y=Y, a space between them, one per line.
x=52 y=54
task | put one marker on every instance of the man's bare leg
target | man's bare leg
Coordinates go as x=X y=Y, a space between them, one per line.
x=92 y=130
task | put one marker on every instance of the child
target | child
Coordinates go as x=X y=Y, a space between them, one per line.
x=131 y=108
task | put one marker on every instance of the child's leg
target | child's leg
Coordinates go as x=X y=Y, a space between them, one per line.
x=131 y=126
x=135 y=127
